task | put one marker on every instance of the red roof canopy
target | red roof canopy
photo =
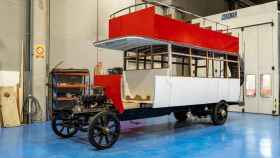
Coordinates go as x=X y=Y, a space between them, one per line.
x=146 y=23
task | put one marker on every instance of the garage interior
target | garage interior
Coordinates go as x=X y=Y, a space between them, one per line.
x=57 y=54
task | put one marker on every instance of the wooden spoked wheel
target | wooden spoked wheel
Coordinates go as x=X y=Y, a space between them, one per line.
x=104 y=130
x=219 y=114
x=63 y=128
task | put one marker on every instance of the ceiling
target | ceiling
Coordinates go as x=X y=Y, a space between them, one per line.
x=236 y=4
x=261 y=1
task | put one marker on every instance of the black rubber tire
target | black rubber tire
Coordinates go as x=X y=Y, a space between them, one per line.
x=104 y=125
x=180 y=116
x=70 y=132
x=219 y=113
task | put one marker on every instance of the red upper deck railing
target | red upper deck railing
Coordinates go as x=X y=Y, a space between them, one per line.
x=146 y=23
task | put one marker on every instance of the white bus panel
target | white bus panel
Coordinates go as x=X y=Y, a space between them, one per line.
x=179 y=91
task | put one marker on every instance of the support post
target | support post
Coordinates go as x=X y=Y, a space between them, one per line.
x=183 y=66
x=170 y=59
x=137 y=59
x=207 y=64
x=226 y=67
x=152 y=57
x=124 y=60
x=190 y=63
x=40 y=45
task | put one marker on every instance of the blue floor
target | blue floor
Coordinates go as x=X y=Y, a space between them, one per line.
x=244 y=135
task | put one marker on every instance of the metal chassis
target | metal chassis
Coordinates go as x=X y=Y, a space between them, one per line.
x=142 y=113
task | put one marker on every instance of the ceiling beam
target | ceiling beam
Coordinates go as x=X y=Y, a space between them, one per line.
x=247 y=2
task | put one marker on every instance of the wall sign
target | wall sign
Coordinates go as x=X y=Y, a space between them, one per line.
x=229 y=15
x=39 y=51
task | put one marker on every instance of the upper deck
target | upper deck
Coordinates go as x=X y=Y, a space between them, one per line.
x=146 y=27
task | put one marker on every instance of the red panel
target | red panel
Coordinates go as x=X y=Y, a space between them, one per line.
x=148 y=24
x=112 y=85
x=140 y=23
x=180 y=32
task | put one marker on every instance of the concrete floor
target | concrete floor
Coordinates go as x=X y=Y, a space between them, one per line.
x=244 y=135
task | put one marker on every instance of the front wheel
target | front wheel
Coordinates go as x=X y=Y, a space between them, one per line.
x=219 y=113
x=104 y=130
x=63 y=128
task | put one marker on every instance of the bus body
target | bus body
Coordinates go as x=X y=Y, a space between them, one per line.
x=170 y=66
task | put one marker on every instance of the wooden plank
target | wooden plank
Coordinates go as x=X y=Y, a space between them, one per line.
x=8 y=102
x=71 y=74
x=70 y=86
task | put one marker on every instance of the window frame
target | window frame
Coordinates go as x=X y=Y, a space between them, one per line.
x=187 y=55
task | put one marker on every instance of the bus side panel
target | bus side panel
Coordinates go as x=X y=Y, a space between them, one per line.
x=162 y=92
x=141 y=82
x=181 y=91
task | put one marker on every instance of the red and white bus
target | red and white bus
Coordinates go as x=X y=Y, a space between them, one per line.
x=170 y=66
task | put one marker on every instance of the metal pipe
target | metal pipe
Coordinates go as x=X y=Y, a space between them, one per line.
x=28 y=52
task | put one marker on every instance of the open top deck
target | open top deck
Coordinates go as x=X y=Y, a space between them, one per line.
x=147 y=27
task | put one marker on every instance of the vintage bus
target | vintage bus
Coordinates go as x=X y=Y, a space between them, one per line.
x=170 y=66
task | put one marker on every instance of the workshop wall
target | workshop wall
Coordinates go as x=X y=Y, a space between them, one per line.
x=12 y=34
x=74 y=26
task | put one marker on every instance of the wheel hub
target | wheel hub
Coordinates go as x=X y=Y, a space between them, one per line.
x=223 y=112
x=105 y=130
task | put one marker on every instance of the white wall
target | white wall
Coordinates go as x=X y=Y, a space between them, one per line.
x=12 y=15
x=74 y=28
x=12 y=38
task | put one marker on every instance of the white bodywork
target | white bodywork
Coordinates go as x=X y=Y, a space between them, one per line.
x=170 y=91
x=141 y=82
x=179 y=91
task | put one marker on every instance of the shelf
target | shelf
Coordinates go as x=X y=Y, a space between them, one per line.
x=65 y=98
x=68 y=81
x=70 y=86
x=70 y=71
x=71 y=74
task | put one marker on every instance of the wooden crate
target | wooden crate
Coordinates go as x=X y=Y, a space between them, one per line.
x=9 y=107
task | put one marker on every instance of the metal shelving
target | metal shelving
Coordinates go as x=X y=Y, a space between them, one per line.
x=67 y=85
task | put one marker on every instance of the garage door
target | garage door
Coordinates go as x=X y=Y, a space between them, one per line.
x=258 y=57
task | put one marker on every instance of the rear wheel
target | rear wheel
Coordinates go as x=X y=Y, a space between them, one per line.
x=180 y=116
x=63 y=128
x=219 y=113
x=104 y=130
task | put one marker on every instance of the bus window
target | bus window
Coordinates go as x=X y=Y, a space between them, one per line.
x=266 y=85
x=180 y=61
x=199 y=67
x=145 y=58
x=233 y=67
x=199 y=63
x=211 y=68
x=148 y=62
x=251 y=85
x=130 y=61
x=186 y=67
x=219 y=62
x=157 y=61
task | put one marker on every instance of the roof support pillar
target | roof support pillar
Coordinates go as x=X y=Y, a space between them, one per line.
x=169 y=59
